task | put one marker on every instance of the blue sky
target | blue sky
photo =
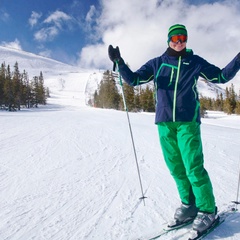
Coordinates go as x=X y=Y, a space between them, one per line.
x=79 y=31
x=54 y=28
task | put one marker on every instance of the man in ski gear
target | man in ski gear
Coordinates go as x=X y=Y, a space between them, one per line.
x=175 y=74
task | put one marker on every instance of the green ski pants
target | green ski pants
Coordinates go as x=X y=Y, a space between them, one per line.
x=182 y=149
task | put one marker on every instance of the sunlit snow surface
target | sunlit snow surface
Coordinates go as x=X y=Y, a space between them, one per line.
x=68 y=171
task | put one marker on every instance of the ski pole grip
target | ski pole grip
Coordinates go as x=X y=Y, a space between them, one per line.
x=114 y=66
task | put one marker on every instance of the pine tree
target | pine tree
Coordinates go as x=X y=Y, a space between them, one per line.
x=108 y=96
x=17 y=86
x=27 y=94
x=16 y=90
x=2 y=83
x=233 y=98
x=147 y=100
x=38 y=92
x=137 y=102
x=129 y=96
x=218 y=103
x=230 y=101
x=8 y=91
x=237 y=109
x=41 y=90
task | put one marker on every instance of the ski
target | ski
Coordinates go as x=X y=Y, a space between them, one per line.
x=170 y=229
x=191 y=235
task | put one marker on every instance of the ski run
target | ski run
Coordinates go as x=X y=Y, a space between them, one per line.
x=67 y=171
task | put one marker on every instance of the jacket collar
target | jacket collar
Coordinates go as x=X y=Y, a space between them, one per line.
x=171 y=52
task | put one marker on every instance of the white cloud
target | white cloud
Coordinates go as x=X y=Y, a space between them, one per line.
x=91 y=14
x=58 y=18
x=15 y=44
x=93 y=56
x=140 y=27
x=46 y=34
x=52 y=26
x=33 y=20
x=4 y=16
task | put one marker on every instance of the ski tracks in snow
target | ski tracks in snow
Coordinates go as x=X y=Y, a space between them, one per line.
x=71 y=174
x=69 y=180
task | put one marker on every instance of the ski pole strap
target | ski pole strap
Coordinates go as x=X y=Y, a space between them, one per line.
x=115 y=64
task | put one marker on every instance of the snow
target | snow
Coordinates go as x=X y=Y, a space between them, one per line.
x=67 y=171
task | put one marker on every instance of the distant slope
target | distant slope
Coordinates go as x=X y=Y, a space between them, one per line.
x=29 y=61
x=208 y=89
x=59 y=77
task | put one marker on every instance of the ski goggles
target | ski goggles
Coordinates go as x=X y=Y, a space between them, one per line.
x=178 y=38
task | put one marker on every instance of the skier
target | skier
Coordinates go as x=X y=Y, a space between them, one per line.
x=175 y=74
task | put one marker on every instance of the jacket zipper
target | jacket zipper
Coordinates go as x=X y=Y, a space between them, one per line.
x=175 y=90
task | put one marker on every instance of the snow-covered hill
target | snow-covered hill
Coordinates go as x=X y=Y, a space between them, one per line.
x=67 y=171
x=57 y=76
x=29 y=61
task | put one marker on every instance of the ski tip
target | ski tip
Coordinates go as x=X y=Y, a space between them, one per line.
x=193 y=235
x=234 y=209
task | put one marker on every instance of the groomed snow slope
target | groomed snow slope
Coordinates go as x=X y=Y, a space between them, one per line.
x=67 y=171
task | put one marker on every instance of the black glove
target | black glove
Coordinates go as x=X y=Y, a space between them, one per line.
x=114 y=53
x=115 y=56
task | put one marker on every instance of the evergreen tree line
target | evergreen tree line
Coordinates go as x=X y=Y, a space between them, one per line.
x=108 y=95
x=229 y=103
x=17 y=90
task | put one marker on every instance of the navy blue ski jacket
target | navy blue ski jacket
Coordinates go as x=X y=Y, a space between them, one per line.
x=175 y=79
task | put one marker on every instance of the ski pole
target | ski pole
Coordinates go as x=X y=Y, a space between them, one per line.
x=237 y=201
x=130 y=129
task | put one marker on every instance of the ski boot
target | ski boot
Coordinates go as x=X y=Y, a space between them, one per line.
x=203 y=221
x=203 y=224
x=184 y=214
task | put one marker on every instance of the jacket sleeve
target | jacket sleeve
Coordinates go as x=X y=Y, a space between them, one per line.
x=217 y=75
x=143 y=75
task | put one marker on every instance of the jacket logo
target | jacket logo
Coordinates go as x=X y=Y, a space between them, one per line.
x=186 y=63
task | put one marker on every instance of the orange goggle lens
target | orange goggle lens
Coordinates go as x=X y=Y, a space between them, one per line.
x=178 y=38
